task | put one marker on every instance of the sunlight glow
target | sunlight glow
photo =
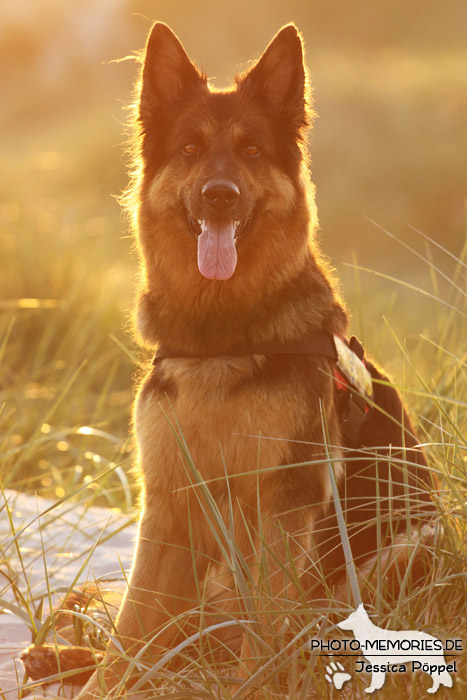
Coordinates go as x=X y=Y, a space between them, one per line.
x=85 y=430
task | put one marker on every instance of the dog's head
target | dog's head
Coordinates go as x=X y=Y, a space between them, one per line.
x=219 y=169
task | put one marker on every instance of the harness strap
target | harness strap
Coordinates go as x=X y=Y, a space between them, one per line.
x=316 y=343
x=351 y=377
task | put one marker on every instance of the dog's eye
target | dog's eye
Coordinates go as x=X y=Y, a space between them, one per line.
x=252 y=150
x=190 y=149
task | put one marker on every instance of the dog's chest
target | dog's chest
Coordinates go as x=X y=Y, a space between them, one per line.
x=221 y=411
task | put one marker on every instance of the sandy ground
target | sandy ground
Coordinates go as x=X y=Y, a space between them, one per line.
x=56 y=540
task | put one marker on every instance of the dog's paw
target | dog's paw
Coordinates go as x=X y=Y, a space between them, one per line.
x=336 y=675
x=41 y=662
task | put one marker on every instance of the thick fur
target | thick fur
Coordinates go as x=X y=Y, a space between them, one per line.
x=254 y=136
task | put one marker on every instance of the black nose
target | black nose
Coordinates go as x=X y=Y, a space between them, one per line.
x=221 y=195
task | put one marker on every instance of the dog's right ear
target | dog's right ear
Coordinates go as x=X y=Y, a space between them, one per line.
x=279 y=79
x=167 y=73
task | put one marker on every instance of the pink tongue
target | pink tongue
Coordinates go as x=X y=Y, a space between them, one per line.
x=217 y=255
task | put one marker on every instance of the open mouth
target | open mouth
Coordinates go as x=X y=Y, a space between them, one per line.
x=217 y=245
x=197 y=225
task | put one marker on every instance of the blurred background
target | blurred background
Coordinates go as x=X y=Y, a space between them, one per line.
x=389 y=145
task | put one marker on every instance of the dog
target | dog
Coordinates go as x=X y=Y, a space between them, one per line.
x=251 y=332
x=375 y=641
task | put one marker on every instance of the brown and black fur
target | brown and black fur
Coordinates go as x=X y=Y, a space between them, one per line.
x=386 y=486
x=253 y=135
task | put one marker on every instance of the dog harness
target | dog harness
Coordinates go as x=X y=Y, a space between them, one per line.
x=354 y=388
x=352 y=379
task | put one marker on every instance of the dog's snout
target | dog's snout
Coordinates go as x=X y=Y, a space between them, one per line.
x=220 y=194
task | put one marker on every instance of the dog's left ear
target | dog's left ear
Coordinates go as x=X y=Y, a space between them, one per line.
x=168 y=74
x=279 y=77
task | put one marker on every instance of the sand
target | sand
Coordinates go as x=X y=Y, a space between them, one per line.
x=57 y=540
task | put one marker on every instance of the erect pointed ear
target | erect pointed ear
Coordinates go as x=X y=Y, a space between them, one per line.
x=167 y=72
x=279 y=76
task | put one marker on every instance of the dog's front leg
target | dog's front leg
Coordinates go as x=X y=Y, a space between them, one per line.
x=286 y=542
x=162 y=585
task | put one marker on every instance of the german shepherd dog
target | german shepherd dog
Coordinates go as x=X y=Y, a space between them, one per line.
x=240 y=302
